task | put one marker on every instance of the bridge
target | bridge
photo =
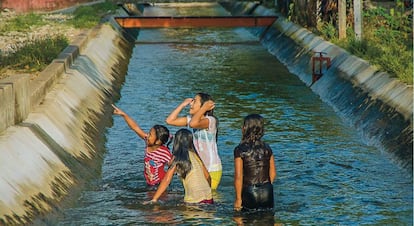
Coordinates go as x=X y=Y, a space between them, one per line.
x=194 y=21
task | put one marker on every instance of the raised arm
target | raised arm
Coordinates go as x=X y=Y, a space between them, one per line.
x=198 y=121
x=238 y=182
x=131 y=123
x=164 y=184
x=173 y=118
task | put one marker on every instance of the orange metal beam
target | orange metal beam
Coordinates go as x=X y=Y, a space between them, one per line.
x=199 y=21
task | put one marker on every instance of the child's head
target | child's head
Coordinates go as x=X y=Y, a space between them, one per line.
x=199 y=100
x=158 y=135
x=253 y=128
x=183 y=143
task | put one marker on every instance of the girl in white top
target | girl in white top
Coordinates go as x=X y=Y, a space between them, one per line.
x=204 y=124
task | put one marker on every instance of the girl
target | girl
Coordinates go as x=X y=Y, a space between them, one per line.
x=254 y=168
x=204 y=124
x=194 y=175
x=157 y=154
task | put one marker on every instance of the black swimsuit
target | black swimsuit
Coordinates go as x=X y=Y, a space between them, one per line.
x=258 y=196
x=257 y=191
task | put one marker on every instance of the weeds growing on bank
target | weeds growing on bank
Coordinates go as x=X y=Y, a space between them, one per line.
x=89 y=16
x=22 y=23
x=387 y=41
x=35 y=55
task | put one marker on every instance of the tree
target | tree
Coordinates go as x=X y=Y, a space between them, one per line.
x=342 y=19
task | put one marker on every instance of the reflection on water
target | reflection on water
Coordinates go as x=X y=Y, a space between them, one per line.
x=326 y=174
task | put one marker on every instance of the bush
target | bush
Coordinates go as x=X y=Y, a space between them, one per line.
x=387 y=41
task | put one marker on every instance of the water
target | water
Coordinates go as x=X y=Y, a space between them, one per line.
x=326 y=174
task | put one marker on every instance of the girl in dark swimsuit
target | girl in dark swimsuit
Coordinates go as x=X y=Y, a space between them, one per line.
x=254 y=168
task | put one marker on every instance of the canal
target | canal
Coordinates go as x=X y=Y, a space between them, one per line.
x=326 y=172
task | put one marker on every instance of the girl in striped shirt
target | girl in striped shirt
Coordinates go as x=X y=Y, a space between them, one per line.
x=157 y=153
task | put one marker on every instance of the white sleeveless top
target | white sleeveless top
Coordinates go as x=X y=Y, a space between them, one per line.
x=206 y=145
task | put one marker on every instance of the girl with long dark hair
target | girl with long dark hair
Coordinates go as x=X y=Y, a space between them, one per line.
x=254 y=168
x=204 y=126
x=191 y=170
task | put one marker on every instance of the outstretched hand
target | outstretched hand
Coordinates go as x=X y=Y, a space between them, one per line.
x=149 y=202
x=118 y=111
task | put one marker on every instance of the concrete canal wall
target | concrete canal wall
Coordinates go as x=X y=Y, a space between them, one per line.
x=380 y=107
x=52 y=126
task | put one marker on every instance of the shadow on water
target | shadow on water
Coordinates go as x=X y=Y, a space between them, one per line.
x=255 y=218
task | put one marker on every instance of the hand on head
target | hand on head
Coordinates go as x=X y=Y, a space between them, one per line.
x=209 y=105
x=187 y=101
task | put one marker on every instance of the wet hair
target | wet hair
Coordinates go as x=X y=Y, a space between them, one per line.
x=162 y=134
x=253 y=129
x=204 y=97
x=183 y=144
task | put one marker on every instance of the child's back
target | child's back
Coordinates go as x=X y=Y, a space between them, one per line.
x=195 y=185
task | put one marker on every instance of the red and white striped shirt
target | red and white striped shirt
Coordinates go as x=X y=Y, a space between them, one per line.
x=154 y=163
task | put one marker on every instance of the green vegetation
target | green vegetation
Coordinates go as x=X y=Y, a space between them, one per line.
x=22 y=23
x=387 y=38
x=89 y=16
x=387 y=31
x=35 y=55
x=387 y=41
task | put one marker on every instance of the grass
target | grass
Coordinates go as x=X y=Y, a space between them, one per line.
x=22 y=23
x=35 y=55
x=387 y=41
x=90 y=16
x=387 y=31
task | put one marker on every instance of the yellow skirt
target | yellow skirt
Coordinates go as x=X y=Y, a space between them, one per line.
x=215 y=179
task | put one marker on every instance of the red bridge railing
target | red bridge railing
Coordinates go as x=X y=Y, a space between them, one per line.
x=195 y=21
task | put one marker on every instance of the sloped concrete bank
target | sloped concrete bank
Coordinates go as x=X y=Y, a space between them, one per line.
x=54 y=139
x=380 y=107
